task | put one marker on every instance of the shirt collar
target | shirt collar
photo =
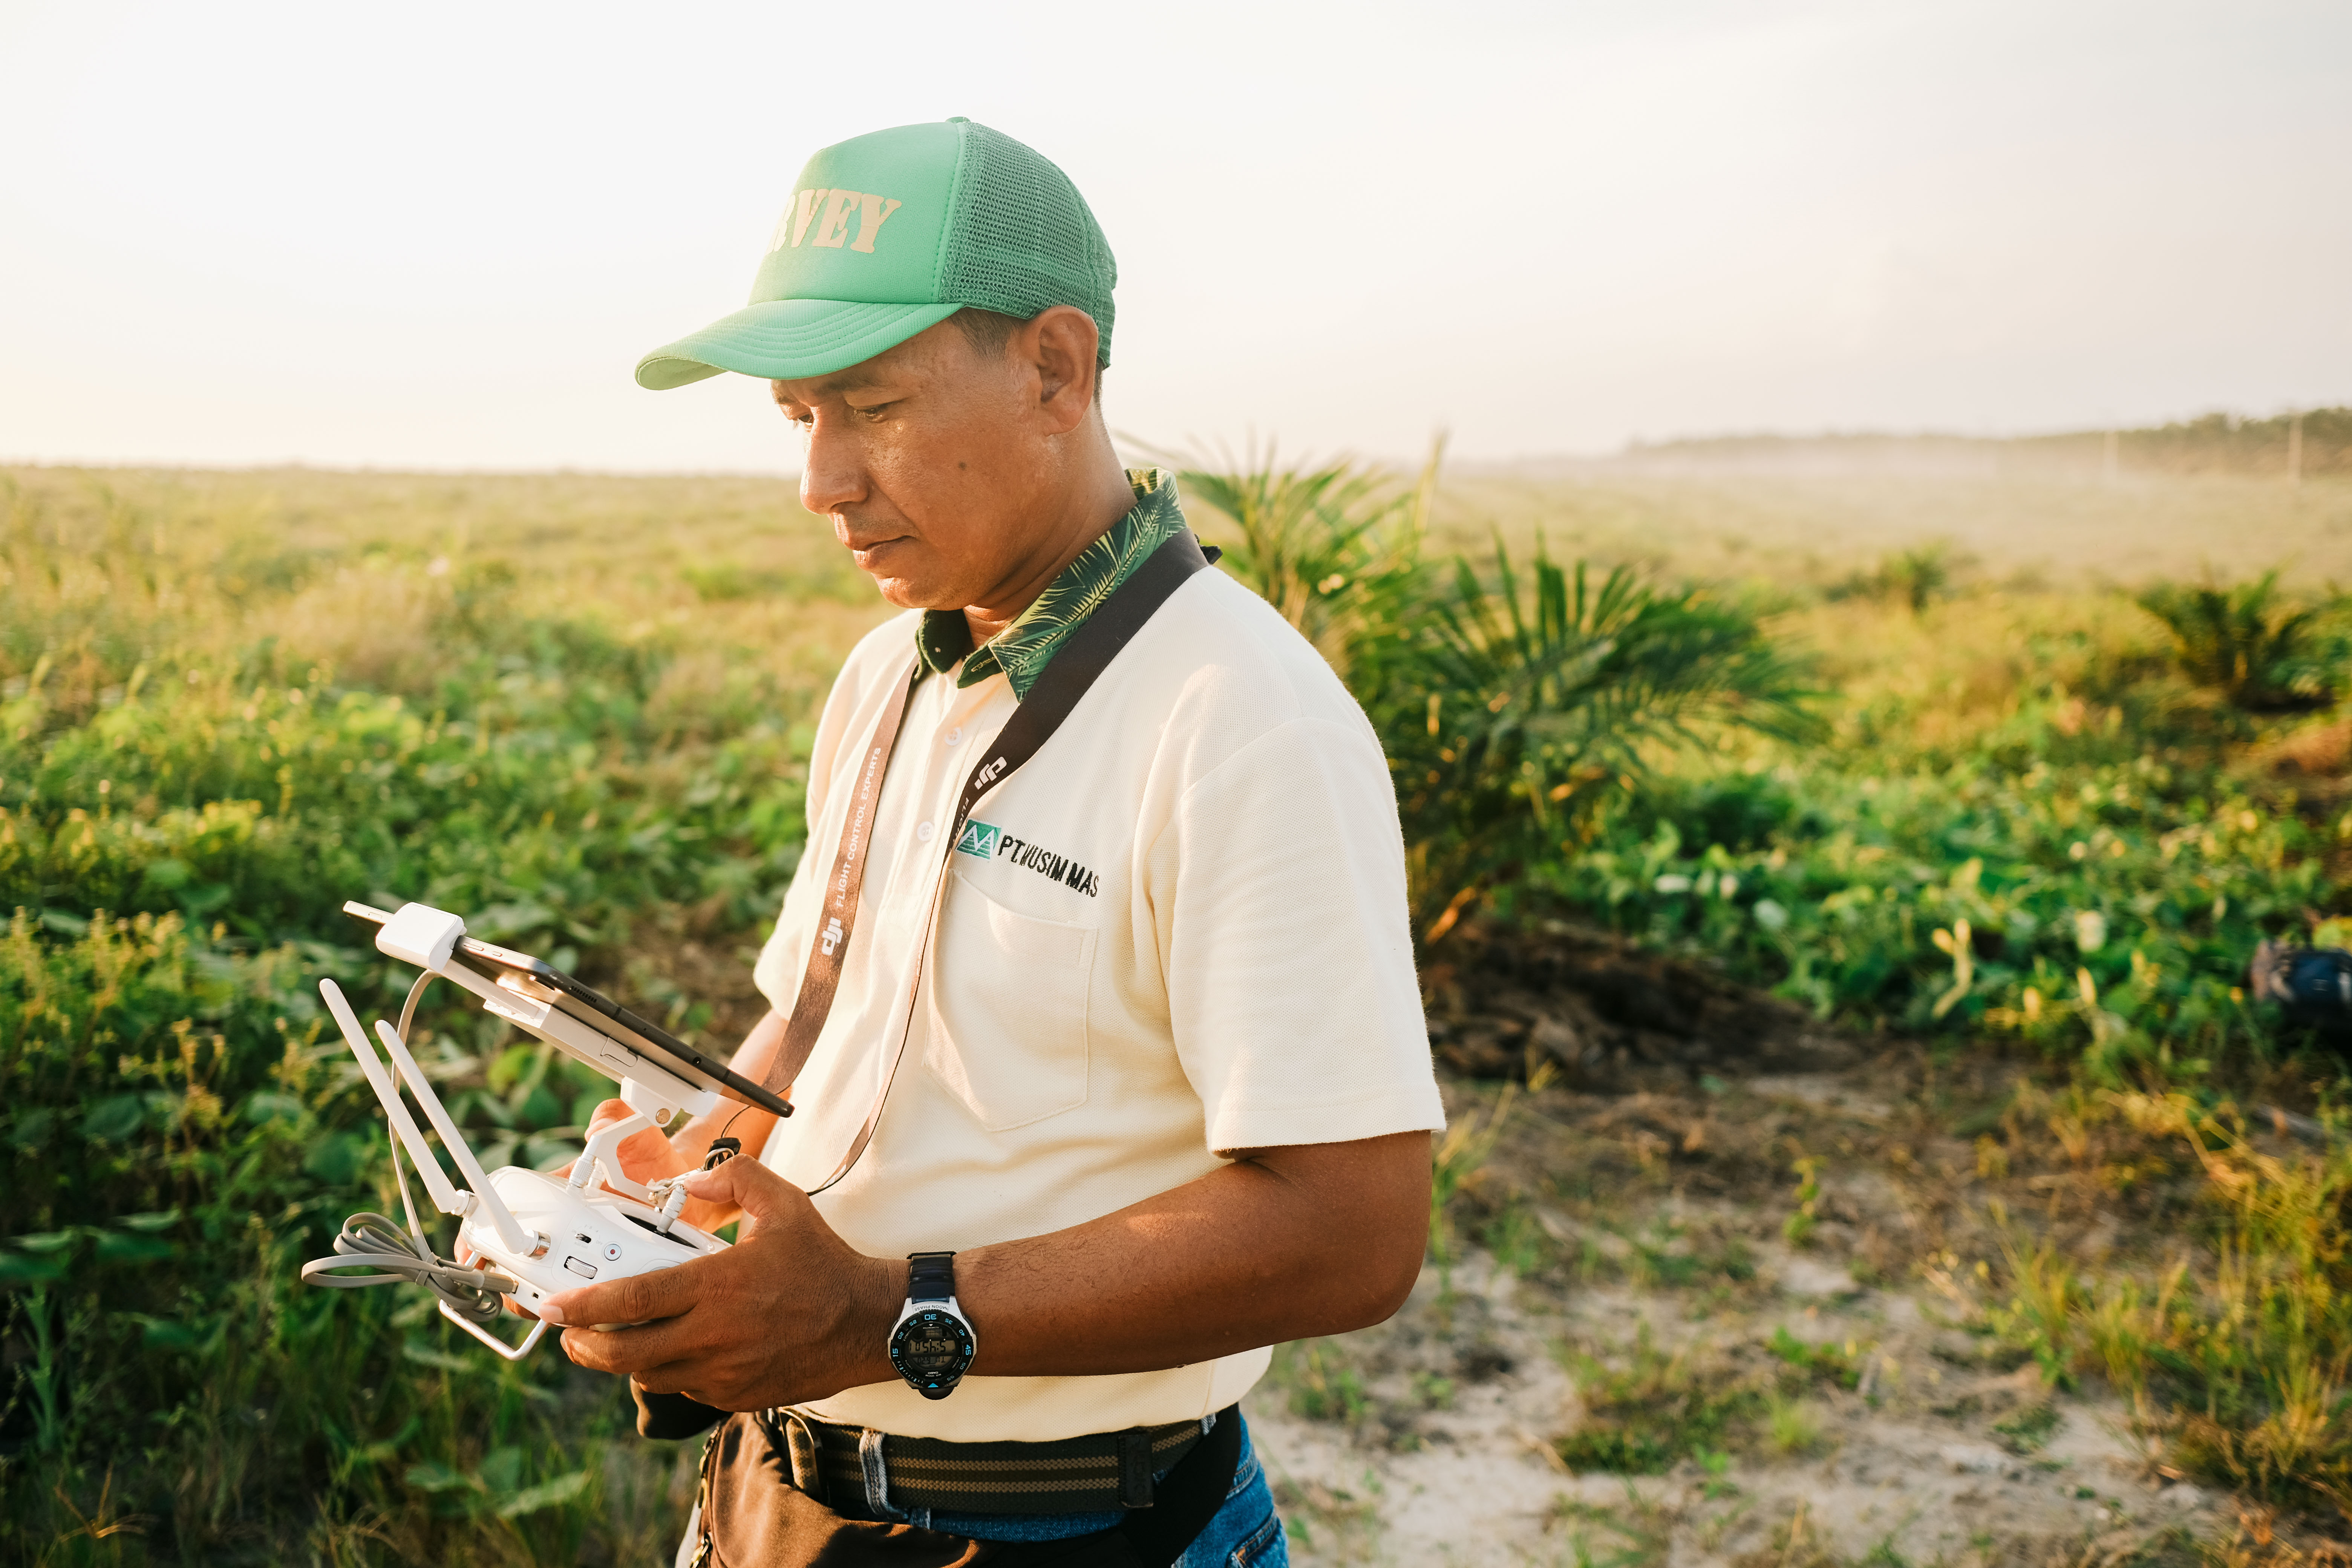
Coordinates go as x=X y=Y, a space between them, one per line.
x=1022 y=651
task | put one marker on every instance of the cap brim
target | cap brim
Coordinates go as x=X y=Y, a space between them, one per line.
x=785 y=340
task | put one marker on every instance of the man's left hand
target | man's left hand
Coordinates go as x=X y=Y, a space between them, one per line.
x=789 y=1313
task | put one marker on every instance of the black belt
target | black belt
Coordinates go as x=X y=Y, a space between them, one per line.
x=1101 y=1472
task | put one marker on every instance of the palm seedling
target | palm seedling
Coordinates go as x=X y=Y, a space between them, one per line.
x=1507 y=706
x=1514 y=706
x=2250 y=642
x=1333 y=549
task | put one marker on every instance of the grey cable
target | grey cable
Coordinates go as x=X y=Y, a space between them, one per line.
x=371 y=1240
x=375 y=1241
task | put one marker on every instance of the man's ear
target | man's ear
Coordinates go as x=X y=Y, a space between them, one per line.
x=1060 y=343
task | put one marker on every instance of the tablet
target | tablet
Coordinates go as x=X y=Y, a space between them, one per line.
x=606 y=1016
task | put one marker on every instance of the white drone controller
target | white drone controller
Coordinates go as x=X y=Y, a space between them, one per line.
x=541 y=1233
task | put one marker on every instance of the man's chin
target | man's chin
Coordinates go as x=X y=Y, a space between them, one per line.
x=909 y=594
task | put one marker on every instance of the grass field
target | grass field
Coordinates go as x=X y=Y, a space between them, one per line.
x=1792 y=523
x=576 y=707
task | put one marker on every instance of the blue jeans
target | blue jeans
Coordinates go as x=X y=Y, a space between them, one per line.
x=1244 y=1533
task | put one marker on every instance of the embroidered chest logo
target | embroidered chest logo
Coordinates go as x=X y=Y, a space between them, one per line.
x=824 y=217
x=985 y=841
x=1045 y=863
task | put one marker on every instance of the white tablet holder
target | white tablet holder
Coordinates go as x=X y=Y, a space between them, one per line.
x=543 y=1233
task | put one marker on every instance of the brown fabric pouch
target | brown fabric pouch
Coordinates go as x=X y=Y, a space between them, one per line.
x=755 y=1513
x=754 y=1517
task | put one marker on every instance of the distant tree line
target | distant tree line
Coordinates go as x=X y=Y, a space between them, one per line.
x=2210 y=444
x=2218 y=444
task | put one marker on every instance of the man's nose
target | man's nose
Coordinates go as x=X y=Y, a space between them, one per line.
x=834 y=474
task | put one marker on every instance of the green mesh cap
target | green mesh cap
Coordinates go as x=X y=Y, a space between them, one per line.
x=889 y=233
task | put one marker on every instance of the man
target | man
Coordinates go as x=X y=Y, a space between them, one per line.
x=1128 y=1030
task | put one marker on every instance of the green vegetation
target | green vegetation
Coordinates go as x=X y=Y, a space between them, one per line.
x=1914 y=578
x=1337 y=549
x=2236 y=1350
x=1459 y=1163
x=2251 y=644
x=221 y=714
x=1637 y=1533
x=1510 y=712
x=578 y=711
x=1834 y=1364
x=2030 y=1429
x=1659 y=1408
x=1792 y=1427
x=2021 y=825
x=179 y=1145
x=1665 y=1258
x=1647 y=1409
x=1324 y=1386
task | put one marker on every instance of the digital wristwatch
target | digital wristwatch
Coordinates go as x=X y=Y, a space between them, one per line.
x=932 y=1345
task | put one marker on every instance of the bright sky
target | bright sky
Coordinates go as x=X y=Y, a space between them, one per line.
x=440 y=235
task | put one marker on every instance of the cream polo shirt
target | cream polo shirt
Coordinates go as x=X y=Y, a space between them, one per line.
x=1178 y=929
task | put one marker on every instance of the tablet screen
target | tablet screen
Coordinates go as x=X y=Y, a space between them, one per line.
x=601 y=1013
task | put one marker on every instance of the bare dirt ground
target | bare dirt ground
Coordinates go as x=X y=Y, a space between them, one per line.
x=1642 y=1282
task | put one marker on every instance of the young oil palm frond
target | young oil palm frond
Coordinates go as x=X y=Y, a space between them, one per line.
x=1503 y=709
x=1914 y=578
x=1330 y=548
x=1513 y=707
x=2260 y=651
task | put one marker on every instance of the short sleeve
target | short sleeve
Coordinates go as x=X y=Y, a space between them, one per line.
x=1279 y=883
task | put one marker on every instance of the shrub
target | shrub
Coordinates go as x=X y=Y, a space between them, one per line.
x=534 y=804
x=177 y=1142
x=2103 y=911
x=1507 y=707
x=186 y=800
x=2261 y=650
x=1512 y=713
x=1334 y=550
x=1646 y=1417
x=1914 y=578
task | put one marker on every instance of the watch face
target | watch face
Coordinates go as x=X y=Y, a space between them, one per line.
x=931 y=1349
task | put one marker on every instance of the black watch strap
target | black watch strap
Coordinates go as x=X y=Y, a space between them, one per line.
x=930 y=1276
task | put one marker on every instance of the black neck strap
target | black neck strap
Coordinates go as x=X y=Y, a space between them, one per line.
x=1084 y=654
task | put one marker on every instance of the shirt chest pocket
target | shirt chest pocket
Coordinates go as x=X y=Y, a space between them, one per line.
x=1008 y=1031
